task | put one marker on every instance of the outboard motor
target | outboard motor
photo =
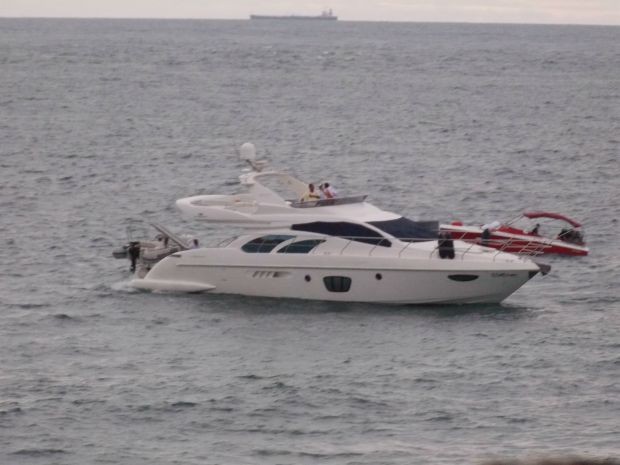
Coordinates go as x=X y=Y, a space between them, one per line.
x=134 y=253
x=445 y=245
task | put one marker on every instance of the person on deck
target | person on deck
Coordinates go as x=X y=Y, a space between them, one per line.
x=311 y=195
x=328 y=191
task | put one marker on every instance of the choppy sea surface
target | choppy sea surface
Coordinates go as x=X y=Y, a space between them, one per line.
x=104 y=121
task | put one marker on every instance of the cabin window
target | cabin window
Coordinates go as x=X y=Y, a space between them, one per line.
x=337 y=283
x=301 y=246
x=463 y=277
x=264 y=244
x=407 y=230
x=353 y=231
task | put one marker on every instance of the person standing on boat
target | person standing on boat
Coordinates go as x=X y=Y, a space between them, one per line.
x=311 y=195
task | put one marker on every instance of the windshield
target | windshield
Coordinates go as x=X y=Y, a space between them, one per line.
x=407 y=230
x=352 y=231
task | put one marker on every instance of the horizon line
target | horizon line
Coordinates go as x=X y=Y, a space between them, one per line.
x=180 y=18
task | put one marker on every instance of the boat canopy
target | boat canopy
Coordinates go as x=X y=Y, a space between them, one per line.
x=555 y=216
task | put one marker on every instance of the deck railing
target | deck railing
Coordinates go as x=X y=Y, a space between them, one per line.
x=327 y=202
x=460 y=249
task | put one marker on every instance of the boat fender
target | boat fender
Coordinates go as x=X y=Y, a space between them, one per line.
x=445 y=245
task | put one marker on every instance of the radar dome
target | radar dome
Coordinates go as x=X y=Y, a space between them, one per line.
x=247 y=152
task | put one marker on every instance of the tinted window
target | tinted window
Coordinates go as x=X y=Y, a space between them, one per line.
x=264 y=244
x=353 y=231
x=463 y=277
x=409 y=231
x=301 y=246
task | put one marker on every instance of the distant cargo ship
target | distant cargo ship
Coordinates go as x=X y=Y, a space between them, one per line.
x=327 y=15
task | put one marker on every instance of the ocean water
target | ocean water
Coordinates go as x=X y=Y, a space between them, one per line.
x=104 y=121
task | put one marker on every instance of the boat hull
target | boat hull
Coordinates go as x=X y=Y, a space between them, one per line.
x=448 y=282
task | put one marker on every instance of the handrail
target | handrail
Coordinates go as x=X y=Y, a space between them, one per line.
x=466 y=251
x=405 y=248
x=345 y=247
x=528 y=248
x=465 y=248
x=327 y=202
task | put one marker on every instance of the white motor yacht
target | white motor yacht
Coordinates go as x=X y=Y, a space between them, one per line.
x=340 y=249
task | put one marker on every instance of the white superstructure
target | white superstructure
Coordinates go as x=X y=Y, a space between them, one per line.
x=342 y=249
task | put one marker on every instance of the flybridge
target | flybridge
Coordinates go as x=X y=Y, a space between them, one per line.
x=264 y=206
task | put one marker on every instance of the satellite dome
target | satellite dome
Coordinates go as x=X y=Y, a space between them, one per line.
x=247 y=152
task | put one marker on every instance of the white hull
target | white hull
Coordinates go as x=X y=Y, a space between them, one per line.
x=372 y=279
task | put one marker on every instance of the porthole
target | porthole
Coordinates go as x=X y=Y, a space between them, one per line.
x=378 y=276
x=308 y=278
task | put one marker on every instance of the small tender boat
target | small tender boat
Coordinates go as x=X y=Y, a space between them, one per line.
x=532 y=233
x=339 y=249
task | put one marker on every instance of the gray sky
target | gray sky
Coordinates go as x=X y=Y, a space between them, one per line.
x=514 y=11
